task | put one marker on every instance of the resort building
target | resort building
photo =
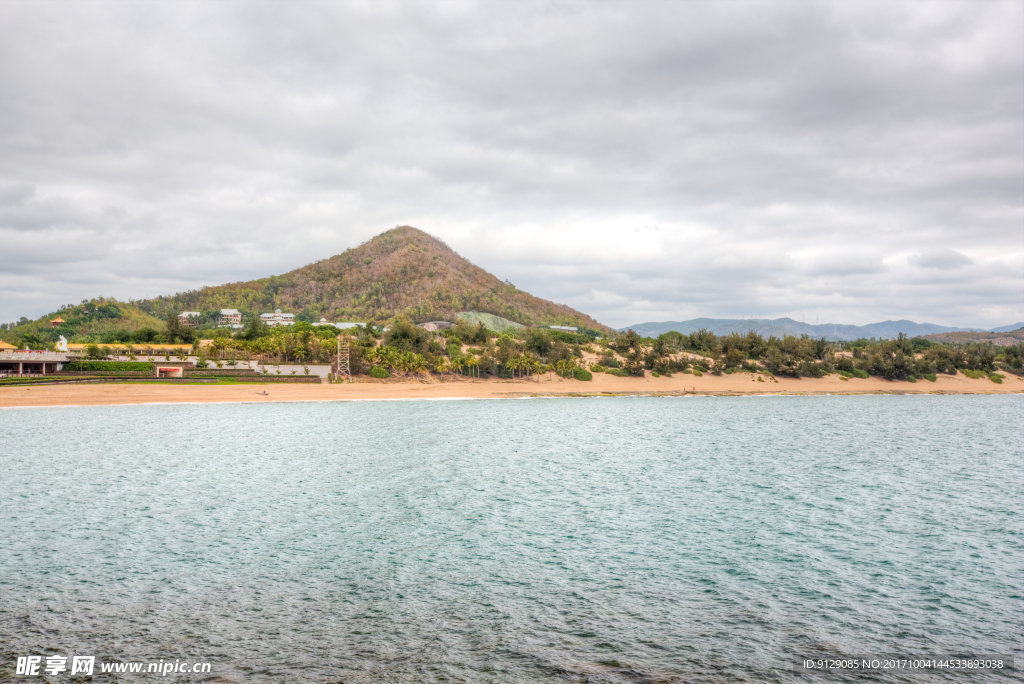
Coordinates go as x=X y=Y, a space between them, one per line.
x=230 y=318
x=277 y=318
x=140 y=349
x=189 y=318
x=56 y=322
x=25 y=362
x=566 y=328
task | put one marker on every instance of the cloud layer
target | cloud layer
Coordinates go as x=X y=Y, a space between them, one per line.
x=638 y=161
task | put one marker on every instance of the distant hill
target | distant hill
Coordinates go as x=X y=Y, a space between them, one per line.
x=999 y=337
x=401 y=272
x=780 y=327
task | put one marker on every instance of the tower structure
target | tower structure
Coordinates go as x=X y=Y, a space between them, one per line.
x=343 y=359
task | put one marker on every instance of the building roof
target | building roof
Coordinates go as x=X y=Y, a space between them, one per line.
x=4 y=345
x=138 y=347
x=229 y=312
x=189 y=313
x=57 y=320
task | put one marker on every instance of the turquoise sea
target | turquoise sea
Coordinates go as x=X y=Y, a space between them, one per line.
x=566 y=540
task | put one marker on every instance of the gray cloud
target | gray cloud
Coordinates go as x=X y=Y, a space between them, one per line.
x=795 y=157
x=944 y=259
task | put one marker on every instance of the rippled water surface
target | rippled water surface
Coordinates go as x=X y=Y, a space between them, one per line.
x=598 y=540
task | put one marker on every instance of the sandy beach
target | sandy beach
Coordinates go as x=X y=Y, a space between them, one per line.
x=105 y=394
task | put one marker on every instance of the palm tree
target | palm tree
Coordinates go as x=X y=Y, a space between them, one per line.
x=390 y=357
x=474 y=365
x=520 y=363
x=417 y=363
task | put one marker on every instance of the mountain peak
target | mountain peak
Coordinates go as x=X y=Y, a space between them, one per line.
x=400 y=272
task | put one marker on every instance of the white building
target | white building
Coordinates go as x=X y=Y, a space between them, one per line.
x=566 y=328
x=277 y=318
x=339 y=326
x=230 y=318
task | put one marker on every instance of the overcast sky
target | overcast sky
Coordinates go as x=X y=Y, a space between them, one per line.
x=641 y=161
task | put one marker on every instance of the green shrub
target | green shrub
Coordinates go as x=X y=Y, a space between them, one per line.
x=858 y=373
x=121 y=366
x=731 y=370
x=378 y=372
x=688 y=371
x=698 y=373
x=974 y=374
x=845 y=374
x=996 y=378
x=597 y=368
x=655 y=374
x=930 y=377
x=618 y=372
x=582 y=374
x=911 y=378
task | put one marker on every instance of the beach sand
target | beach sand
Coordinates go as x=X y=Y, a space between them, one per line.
x=105 y=394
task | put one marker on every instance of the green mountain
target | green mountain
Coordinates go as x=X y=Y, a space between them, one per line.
x=401 y=272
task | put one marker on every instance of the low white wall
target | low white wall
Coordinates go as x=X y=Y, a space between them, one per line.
x=319 y=369
x=322 y=370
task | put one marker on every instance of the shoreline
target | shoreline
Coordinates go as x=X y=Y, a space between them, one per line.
x=680 y=385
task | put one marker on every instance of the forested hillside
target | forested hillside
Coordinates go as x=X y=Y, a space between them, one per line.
x=402 y=272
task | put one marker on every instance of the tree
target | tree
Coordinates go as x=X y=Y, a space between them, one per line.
x=254 y=329
x=176 y=332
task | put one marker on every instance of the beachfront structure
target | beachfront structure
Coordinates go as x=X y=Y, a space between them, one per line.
x=24 y=362
x=189 y=318
x=142 y=349
x=6 y=347
x=230 y=318
x=566 y=328
x=277 y=318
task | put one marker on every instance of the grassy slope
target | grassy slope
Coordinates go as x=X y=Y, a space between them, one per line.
x=81 y=327
x=403 y=271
